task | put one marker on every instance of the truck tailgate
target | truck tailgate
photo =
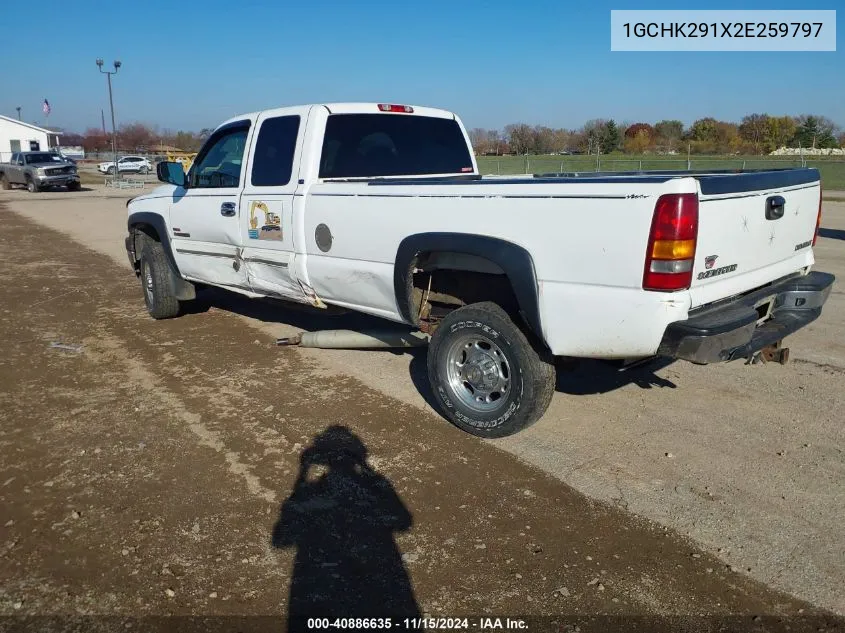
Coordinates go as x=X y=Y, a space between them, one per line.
x=748 y=235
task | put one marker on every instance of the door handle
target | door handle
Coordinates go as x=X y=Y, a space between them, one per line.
x=775 y=206
x=227 y=209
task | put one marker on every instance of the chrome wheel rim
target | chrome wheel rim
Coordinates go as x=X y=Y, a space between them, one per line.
x=478 y=373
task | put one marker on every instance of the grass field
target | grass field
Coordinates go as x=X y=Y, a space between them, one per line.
x=832 y=169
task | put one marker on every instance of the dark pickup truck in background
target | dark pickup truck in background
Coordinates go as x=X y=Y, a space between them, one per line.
x=39 y=170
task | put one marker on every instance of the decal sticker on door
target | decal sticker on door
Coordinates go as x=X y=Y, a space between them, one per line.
x=263 y=223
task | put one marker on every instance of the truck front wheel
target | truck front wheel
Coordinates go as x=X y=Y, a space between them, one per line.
x=31 y=187
x=157 y=283
x=487 y=377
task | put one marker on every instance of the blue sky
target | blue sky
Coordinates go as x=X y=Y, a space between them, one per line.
x=189 y=65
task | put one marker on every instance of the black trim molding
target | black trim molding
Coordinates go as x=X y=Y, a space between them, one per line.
x=157 y=222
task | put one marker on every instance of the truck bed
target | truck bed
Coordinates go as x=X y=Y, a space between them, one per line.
x=711 y=181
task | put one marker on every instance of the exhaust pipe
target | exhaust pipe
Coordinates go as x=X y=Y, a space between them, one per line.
x=348 y=339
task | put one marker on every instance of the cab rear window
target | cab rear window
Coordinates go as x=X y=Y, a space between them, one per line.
x=373 y=145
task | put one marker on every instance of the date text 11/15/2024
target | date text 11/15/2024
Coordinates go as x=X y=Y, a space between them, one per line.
x=417 y=624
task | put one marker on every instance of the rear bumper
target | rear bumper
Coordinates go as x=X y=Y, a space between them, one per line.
x=729 y=331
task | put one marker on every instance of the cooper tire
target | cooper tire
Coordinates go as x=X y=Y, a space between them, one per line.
x=487 y=377
x=157 y=283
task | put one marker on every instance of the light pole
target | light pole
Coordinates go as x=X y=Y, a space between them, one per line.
x=19 y=112
x=108 y=74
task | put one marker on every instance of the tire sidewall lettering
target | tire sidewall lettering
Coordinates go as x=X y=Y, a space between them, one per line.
x=513 y=407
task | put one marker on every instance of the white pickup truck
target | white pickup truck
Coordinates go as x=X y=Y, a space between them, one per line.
x=380 y=208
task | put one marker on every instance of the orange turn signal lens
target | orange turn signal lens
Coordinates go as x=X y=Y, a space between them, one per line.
x=673 y=249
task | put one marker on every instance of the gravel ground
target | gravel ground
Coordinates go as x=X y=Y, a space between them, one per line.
x=745 y=460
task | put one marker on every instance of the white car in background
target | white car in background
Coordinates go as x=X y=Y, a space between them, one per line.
x=135 y=164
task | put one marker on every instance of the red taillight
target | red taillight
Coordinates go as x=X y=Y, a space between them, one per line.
x=392 y=107
x=671 y=243
x=818 y=217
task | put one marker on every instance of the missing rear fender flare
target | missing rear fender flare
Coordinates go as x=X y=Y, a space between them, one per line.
x=466 y=253
x=436 y=293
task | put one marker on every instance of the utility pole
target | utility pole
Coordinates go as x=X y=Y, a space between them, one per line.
x=19 y=112
x=108 y=74
x=103 y=120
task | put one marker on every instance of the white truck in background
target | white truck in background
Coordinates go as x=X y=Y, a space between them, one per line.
x=379 y=208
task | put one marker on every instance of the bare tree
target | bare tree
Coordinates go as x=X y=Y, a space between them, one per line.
x=94 y=140
x=668 y=134
x=752 y=128
x=543 y=140
x=593 y=134
x=478 y=138
x=520 y=136
x=561 y=140
x=134 y=136
x=495 y=142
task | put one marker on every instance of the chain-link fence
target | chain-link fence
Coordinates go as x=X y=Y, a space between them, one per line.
x=575 y=164
x=99 y=157
x=832 y=169
x=108 y=156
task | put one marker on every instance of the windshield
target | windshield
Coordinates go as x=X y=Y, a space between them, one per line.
x=43 y=157
x=373 y=145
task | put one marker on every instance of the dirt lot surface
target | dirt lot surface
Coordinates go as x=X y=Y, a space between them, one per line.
x=154 y=467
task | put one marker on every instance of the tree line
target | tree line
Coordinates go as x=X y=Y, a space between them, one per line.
x=755 y=134
x=136 y=137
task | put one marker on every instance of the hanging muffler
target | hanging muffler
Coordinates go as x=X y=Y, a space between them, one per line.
x=348 y=339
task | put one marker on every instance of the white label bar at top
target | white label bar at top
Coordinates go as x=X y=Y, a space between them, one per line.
x=723 y=30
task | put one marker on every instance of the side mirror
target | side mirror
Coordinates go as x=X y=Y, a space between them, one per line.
x=172 y=173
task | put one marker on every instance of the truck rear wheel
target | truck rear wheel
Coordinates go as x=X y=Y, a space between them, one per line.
x=4 y=183
x=157 y=283
x=487 y=377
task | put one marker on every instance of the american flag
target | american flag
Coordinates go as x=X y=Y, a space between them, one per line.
x=46 y=107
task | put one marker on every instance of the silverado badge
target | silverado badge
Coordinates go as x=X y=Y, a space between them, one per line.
x=709 y=261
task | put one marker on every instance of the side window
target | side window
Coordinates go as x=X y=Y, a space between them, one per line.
x=219 y=164
x=273 y=162
x=14 y=159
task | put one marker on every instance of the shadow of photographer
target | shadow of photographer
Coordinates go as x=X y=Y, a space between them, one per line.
x=341 y=517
